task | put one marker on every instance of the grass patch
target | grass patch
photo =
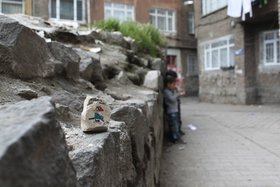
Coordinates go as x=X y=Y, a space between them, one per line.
x=148 y=38
x=109 y=25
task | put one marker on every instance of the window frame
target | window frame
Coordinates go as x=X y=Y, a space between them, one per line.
x=167 y=17
x=22 y=3
x=193 y=64
x=275 y=41
x=75 y=13
x=209 y=49
x=113 y=7
x=191 y=23
x=215 y=5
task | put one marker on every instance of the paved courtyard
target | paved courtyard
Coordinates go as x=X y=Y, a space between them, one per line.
x=232 y=146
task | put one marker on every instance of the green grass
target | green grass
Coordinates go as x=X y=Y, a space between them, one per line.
x=148 y=38
x=109 y=25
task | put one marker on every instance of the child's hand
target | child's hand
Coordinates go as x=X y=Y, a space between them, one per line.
x=181 y=93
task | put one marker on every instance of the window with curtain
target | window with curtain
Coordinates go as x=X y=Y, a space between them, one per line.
x=11 y=6
x=192 y=65
x=271 y=47
x=122 y=12
x=68 y=9
x=163 y=19
x=191 y=22
x=219 y=53
x=209 y=6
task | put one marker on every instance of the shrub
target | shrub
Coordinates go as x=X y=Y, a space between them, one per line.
x=109 y=25
x=148 y=38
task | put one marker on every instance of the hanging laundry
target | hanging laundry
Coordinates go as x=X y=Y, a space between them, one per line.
x=237 y=8
x=247 y=8
x=234 y=8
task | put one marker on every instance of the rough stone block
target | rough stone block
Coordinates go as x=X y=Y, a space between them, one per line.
x=33 y=151
x=153 y=80
x=68 y=58
x=23 y=51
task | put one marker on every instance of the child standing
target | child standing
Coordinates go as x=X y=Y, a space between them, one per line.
x=171 y=103
x=174 y=74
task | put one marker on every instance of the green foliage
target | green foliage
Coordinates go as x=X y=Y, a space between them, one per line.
x=148 y=38
x=109 y=25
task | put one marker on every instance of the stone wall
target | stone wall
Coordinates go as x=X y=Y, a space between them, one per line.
x=41 y=142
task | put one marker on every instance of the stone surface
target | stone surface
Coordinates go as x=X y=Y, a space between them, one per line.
x=128 y=154
x=27 y=94
x=122 y=78
x=138 y=130
x=90 y=68
x=153 y=80
x=115 y=38
x=33 y=150
x=66 y=98
x=69 y=60
x=95 y=157
x=23 y=52
x=158 y=64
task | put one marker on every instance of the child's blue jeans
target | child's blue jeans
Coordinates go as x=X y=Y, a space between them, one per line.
x=173 y=122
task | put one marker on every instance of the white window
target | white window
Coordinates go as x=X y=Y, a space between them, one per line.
x=67 y=10
x=122 y=12
x=219 y=54
x=209 y=6
x=191 y=23
x=192 y=65
x=271 y=48
x=11 y=6
x=163 y=19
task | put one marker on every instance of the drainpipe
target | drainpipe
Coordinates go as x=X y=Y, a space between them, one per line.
x=279 y=13
x=89 y=15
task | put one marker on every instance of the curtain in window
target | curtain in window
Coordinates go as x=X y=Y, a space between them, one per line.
x=53 y=8
x=162 y=24
x=12 y=6
x=269 y=51
x=79 y=10
x=215 y=59
x=67 y=9
x=224 y=57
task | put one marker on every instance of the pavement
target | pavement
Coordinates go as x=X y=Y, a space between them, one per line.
x=227 y=146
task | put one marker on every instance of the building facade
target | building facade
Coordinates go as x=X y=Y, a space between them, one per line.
x=239 y=60
x=174 y=19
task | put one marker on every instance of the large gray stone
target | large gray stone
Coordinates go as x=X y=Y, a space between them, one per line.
x=68 y=58
x=90 y=69
x=115 y=38
x=158 y=64
x=33 y=151
x=126 y=166
x=153 y=80
x=23 y=52
x=138 y=130
x=65 y=98
x=95 y=157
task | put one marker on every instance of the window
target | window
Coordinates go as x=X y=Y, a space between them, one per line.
x=192 y=65
x=209 y=6
x=67 y=10
x=219 y=53
x=191 y=23
x=11 y=6
x=121 y=12
x=163 y=19
x=271 y=48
